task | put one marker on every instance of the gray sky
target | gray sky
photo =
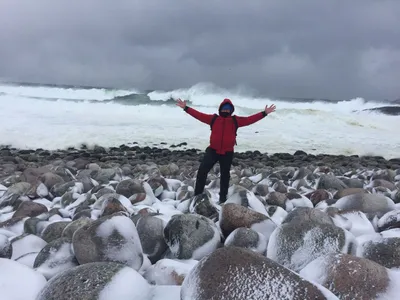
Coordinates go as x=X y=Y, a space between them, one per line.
x=309 y=48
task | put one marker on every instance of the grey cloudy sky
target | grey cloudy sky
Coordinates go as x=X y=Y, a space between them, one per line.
x=309 y=48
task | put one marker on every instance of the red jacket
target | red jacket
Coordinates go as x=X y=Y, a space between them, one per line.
x=223 y=133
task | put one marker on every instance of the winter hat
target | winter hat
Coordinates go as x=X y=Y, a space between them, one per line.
x=227 y=106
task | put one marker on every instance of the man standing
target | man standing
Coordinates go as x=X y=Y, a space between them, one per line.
x=222 y=141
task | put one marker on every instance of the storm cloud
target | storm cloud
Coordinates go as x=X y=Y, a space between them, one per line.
x=310 y=48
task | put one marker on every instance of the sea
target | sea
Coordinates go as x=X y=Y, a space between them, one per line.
x=57 y=117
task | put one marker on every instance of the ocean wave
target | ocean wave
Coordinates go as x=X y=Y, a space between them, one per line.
x=199 y=95
x=34 y=121
x=63 y=93
x=387 y=110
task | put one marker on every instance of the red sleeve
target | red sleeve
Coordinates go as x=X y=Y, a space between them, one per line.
x=202 y=117
x=246 y=121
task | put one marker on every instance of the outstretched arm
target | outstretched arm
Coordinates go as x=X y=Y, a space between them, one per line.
x=202 y=117
x=246 y=121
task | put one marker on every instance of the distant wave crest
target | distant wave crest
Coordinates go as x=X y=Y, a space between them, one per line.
x=199 y=95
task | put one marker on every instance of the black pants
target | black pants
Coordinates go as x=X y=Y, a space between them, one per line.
x=209 y=160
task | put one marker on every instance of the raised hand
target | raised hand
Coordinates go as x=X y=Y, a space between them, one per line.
x=180 y=103
x=270 y=109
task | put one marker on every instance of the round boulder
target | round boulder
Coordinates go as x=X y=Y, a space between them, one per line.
x=233 y=273
x=109 y=238
x=97 y=280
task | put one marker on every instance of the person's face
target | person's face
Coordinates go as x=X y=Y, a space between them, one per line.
x=227 y=111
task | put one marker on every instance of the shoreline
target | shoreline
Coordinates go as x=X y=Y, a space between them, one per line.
x=163 y=153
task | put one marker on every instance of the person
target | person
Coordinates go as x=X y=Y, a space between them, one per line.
x=222 y=141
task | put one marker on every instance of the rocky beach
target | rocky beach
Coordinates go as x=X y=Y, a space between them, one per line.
x=122 y=223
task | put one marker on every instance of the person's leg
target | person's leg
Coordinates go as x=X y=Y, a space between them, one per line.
x=209 y=160
x=225 y=162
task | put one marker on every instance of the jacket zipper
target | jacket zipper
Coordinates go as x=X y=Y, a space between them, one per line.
x=223 y=129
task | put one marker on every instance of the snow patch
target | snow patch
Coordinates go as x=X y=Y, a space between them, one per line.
x=58 y=260
x=130 y=247
x=27 y=244
x=127 y=284
x=208 y=247
x=19 y=282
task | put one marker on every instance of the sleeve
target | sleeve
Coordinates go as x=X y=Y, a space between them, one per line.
x=246 y=121
x=202 y=117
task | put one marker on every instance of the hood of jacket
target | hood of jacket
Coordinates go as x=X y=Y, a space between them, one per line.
x=226 y=100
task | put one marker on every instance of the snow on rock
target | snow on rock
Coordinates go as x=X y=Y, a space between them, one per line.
x=151 y=233
x=393 y=290
x=240 y=197
x=126 y=284
x=359 y=223
x=169 y=271
x=5 y=247
x=191 y=236
x=109 y=238
x=233 y=273
x=19 y=282
x=234 y=216
x=301 y=201
x=383 y=248
x=247 y=238
x=389 y=220
x=370 y=204
x=55 y=257
x=28 y=259
x=277 y=214
x=97 y=280
x=295 y=244
x=26 y=243
x=166 y=292
x=15 y=225
x=350 y=277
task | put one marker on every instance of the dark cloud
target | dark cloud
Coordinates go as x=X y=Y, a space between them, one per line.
x=310 y=48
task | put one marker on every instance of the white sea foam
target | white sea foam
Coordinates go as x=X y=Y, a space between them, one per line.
x=318 y=127
x=63 y=93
